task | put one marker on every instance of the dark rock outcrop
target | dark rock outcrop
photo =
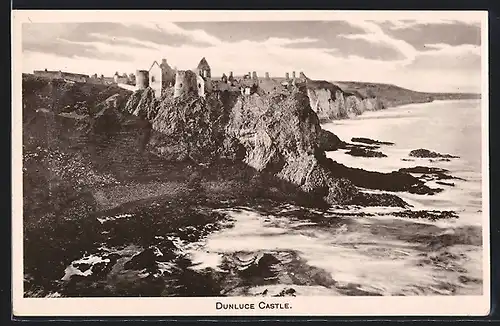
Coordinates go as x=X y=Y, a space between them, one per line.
x=431 y=174
x=363 y=152
x=425 y=153
x=328 y=141
x=370 y=141
x=429 y=215
x=423 y=169
x=142 y=104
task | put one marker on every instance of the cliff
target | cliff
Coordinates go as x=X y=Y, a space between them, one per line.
x=346 y=99
x=275 y=134
x=131 y=167
x=392 y=95
x=272 y=140
x=330 y=102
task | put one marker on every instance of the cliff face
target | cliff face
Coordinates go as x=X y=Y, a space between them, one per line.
x=277 y=134
x=332 y=103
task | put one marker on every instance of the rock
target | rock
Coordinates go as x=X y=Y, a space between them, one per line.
x=142 y=103
x=369 y=141
x=365 y=153
x=144 y=260
x=394 y=181
x=191 y=127
x=430 y=173
x=275 y=133
x=288 y=292
x=425 y=153
x=422 y=170
x=328 y=141
x=451 y=184
x=429 y=215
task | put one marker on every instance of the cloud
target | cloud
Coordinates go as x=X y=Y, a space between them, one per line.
x=279 y=41
x=445 y=57
x=412 y=24
x=171 y=28
x=69 y=49
x=365 y=55
x=374 y=34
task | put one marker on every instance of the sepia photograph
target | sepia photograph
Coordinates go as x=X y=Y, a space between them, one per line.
x=250 y=162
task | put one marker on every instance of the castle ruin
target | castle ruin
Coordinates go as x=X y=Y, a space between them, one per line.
x=142 y=79
x=196 y=81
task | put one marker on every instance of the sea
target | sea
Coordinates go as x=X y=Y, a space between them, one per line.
x=379 y=253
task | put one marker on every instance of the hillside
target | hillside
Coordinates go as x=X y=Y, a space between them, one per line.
x=392 y=95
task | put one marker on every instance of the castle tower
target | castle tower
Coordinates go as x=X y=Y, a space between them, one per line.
x=204 y=68
x=267 y=75
x=142 y=79
x=231 y=77
x=224 y=78
x=293 y=74
x=302 y=76
x=254 y=75
x=186 y=82
x=287 y=76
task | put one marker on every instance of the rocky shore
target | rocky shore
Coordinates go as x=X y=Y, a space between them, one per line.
x=118 y=184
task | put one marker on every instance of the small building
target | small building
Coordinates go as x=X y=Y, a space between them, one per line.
x=203 y=69
x=249 y=86
x=156 y=79
x=121 y=79
x=195 y=81
x=168 y=74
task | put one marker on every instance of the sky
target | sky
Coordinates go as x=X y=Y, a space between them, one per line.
x=424 y=55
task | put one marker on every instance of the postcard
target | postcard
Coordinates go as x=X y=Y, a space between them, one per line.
x=250 y=163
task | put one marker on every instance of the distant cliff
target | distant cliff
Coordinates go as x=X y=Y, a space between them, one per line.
x=345 y=99
x=330 y=102
x=392 y=95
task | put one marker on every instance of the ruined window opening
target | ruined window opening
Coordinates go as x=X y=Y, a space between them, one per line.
x=152 y=79
x=180 y=85
x=199 y=85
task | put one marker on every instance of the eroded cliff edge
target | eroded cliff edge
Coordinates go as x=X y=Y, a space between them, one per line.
x=276 y=134
x=263 y=142
x=330 y=102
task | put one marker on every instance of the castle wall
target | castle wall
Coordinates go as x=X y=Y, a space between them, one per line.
x=156 y=79
x=142 y=79
x=201 y=86
x=185 y=83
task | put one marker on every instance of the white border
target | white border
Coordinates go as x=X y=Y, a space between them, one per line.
x=301 y=306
